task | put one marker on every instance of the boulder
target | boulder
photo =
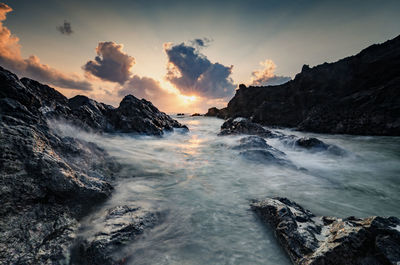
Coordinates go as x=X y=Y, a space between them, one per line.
x=243 y=126
x=116 y=227
x=321 y=240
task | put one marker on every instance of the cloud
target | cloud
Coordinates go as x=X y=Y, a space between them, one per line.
x=266 y=76
x=201 y=42
x=150 y=89
x=65 y=28
x=142 y=87
x=111 y=63
x=193 y=74
x=10 y=57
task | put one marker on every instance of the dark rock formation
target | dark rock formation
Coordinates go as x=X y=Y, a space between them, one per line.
x=252 y=142
x=196 y=114
x=312 y=240
x=244 y=126
x=141 y=116
x=115 y=228
x=356 y=95
x=214 y=112
x=256 y=149
x=48 y=182
x=311 y=144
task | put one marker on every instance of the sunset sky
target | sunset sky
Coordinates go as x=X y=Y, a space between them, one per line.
x=184 y=56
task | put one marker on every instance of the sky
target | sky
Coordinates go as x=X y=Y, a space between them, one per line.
x=184 y=56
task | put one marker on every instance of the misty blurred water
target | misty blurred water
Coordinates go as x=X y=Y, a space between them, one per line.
x=203 y=188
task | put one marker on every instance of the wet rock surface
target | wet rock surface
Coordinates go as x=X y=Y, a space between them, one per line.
x=311 y=144
x=243 y=126
x=49 y=182
x=356 y=95
x=116 y=228
x=316 y=240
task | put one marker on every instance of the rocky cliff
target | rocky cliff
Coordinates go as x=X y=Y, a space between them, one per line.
x=356 y=95
x=48 y=182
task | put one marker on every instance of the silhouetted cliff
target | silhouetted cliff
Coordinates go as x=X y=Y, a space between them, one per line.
x=356 y=95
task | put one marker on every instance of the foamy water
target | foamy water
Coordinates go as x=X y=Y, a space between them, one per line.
x=203 y=189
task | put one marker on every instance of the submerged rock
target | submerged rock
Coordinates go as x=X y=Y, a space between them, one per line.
x=243 y=126
x=115 y=229
x=311 y=144
x=252 y=142
x=316 y=240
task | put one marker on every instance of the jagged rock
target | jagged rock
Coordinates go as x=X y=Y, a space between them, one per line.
x=90 y=114
x=356 y=95
x=141 y=116
x=48 y=182
x=116 y=228
x=315 y=240
x=214 y=112
x=196 y=114
x=243 y=126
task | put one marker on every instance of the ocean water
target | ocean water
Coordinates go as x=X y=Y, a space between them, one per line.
x=203 y=188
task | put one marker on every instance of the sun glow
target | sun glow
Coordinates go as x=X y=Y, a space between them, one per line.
x=188 y=99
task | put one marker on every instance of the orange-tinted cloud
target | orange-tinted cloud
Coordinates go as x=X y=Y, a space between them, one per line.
x=266 y=76
x=10 y=57
x=111 y=63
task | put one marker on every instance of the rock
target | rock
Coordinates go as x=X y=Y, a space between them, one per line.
x=311 y=144
x=116 y=228
x=90 y=114
x=243 y=126
x=49 y=182
x=196 y=114
x=316 y=240
x=356 y=95
x=214 y=112
x=256 y=149
x=180 y=114
x=141 y=116
x=252 y=142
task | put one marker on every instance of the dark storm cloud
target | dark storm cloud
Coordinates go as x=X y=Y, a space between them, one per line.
x=193 y=74
x=65 y=28
x=111 y=63
x=11 y=58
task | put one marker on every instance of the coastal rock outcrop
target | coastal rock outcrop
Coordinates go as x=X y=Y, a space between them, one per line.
x=356 y=95
x=316 y=240
x=244 y=126
x=215 y=112
x=116 y=227
x=48 y=181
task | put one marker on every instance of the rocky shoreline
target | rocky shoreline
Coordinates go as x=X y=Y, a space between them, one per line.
x=323 y=240
x=357 y=95
x=49 y=182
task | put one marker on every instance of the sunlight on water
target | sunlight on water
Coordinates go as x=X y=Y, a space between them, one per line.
x=203 y=188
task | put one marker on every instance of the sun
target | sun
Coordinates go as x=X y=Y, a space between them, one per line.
x=188 y=99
